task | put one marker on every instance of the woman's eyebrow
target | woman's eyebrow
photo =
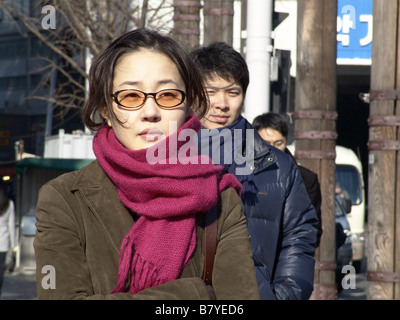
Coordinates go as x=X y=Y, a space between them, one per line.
x=168 y=81
x=160 y=82
x=130 y=83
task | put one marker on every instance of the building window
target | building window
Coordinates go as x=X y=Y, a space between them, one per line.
x=13 y=83
x=15 y=48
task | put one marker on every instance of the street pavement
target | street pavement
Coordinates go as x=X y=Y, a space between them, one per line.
x=19 y=285
x=358 y=293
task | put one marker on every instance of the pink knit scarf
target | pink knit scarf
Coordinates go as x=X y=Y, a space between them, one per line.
x=166 y=197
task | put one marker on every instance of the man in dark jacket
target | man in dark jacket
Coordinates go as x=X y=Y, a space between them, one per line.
x=273 y=128
x=281 y=220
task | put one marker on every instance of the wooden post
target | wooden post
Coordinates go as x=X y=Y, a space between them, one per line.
x=187 y=23
x=315 y=124
x=383 y=273
x=218 y=21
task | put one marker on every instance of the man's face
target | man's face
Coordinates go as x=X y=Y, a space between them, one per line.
x=226 y=102
x=273 y=137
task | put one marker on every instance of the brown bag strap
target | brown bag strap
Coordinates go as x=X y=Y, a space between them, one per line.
x=210 y=243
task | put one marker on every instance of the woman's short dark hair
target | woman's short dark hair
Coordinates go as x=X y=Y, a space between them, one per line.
x=272 y=120
x=222 y=60
x=101 y=74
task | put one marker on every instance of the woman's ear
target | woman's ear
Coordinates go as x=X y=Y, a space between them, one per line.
x=103 y=113
x=189 y=111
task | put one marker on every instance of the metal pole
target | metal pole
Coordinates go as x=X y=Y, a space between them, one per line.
x=258 y=56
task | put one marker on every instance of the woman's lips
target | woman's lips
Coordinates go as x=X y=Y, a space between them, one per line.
x=151 y=135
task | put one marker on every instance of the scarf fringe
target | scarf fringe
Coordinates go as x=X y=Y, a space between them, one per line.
x=124 y=263
x=144 y=275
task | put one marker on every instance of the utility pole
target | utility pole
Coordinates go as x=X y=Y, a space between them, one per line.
x=187 y=23
x=315 y=123
x=383 y=273
x=218 y=21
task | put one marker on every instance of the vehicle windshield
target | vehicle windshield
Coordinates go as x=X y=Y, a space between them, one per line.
x=350 y=181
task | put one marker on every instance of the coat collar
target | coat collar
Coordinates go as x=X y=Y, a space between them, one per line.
x=102 y=199
x=264 y=155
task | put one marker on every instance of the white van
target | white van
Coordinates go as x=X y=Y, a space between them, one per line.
x=349 y=175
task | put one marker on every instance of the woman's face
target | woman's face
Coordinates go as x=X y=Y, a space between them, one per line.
x=150 y=72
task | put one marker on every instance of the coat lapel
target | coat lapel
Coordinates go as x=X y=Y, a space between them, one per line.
x=101 y=196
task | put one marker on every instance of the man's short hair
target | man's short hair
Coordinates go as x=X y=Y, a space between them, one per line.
x=272 y=120
x=222 y=60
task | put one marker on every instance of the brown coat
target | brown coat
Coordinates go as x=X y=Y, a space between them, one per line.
x=80 y=227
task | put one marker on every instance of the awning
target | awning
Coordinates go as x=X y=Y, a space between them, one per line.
x=51 y=163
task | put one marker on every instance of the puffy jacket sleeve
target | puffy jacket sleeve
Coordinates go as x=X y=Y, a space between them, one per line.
x=294 y=273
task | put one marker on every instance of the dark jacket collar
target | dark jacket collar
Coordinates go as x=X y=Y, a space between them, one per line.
x=264 y=155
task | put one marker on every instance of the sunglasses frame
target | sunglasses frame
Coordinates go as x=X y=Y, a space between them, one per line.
x=146 y=95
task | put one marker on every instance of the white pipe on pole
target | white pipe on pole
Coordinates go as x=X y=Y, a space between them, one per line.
x=258 y=57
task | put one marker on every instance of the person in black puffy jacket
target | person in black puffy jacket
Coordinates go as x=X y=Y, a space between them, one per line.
x=273 y=128
x=281 y=220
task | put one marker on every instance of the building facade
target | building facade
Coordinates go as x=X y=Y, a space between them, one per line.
x=27 y=82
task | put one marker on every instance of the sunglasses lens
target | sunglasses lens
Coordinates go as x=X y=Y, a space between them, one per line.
x=131 y=98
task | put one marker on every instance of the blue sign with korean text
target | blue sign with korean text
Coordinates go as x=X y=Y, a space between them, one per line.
x=354 y=32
